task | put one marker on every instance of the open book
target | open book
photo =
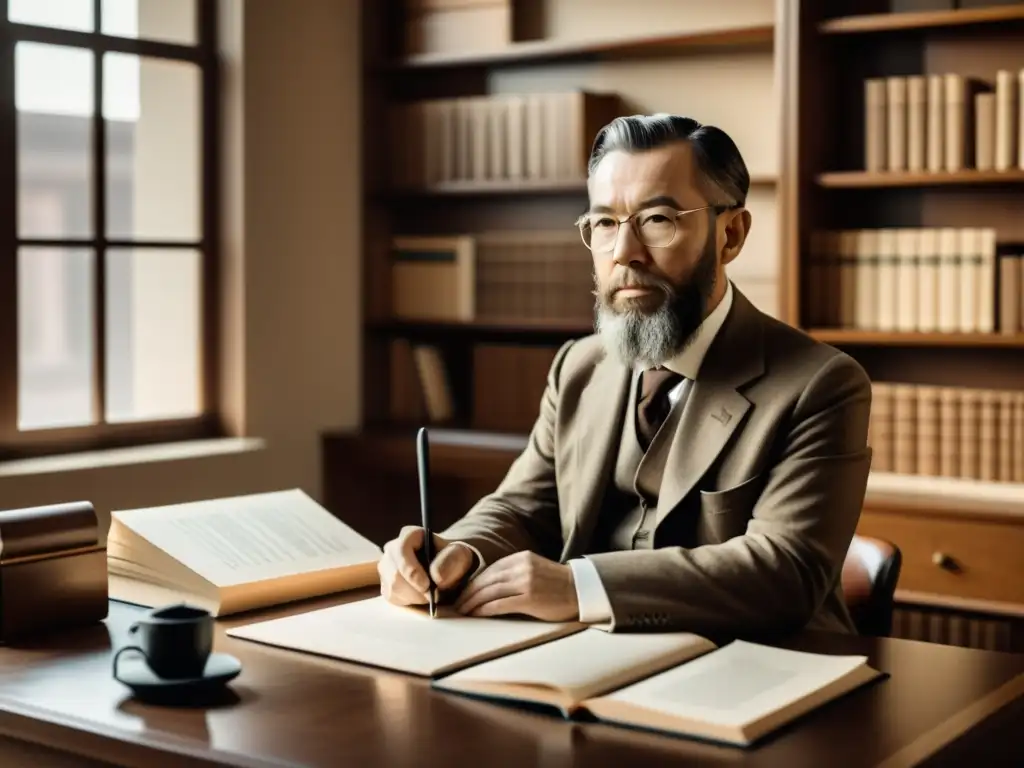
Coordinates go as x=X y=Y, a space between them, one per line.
x=672 y=682
x=235 y=554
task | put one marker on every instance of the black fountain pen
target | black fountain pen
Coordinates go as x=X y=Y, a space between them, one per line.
x=427 y=551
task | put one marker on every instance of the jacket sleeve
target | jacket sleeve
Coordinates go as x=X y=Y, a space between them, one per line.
x=776 y=574
x=522 y=513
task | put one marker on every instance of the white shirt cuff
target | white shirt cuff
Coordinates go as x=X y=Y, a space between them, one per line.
x=590 y=593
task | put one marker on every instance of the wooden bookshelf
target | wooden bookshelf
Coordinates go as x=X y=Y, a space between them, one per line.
x=878 y=180
x=921 y=20
x=843 y=337
x=829 y=190
x=542 y=52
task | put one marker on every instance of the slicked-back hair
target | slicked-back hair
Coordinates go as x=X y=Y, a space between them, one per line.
x=721 y=166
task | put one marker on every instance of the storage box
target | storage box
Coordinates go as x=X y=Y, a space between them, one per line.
x=53 y=570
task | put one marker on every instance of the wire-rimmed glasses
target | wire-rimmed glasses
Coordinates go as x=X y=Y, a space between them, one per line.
x=654 y=227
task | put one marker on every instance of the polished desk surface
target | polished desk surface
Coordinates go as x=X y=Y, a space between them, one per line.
x=290 y=709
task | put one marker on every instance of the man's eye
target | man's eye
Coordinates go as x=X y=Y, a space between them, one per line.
x=603 y=223
x=656 y=218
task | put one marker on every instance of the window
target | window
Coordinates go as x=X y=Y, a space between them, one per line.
x=107 y=280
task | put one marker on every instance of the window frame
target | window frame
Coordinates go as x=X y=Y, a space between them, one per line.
x=99 y=435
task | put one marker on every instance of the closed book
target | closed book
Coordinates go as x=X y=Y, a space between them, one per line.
x=949 y=280
x=928 y=431
x=956 y=122
x=1011 y=292
x=970 y=422
x=1005 y=425
x=875 y=125
x=928 y=280
x=848 y=278
x=935 y=155
x=866 y=271
x=917 y=121
x=985 y=259
x=881 y=427
x=888 y=260
x=1007 y=115
x=985 y=131
x=896 y=123
x=949 y=430
x=904 y=416
x=988 y=435
x=969 y=279
x=907 y=280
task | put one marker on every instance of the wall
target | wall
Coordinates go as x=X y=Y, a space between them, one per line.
x=291 y=272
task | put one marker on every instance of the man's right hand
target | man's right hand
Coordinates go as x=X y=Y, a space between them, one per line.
x=403 y=580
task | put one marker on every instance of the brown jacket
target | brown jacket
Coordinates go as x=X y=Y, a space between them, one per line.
x=759 y=499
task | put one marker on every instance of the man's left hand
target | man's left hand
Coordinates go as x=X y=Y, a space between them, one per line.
x=523 y=583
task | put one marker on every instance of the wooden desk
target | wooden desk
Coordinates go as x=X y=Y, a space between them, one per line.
x=296 y=710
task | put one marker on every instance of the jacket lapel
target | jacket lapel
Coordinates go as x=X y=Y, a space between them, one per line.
x=715 y=406
x=599 y=418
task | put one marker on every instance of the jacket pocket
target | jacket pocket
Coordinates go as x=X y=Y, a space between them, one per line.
x=725 y=513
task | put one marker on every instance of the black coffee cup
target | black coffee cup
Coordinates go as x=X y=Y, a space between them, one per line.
x=175 y=640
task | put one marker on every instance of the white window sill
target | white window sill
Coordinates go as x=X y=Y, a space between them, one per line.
x=142 y=454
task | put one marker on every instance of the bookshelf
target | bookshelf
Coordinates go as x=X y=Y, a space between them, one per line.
x=908 y=259
x=803 y=72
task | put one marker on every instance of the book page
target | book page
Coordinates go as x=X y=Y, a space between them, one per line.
x=243 y=539
x=583 y=665
x=737 y=684
x=379 y=633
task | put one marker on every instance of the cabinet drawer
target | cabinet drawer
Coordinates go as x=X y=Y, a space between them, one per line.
x=957 y=558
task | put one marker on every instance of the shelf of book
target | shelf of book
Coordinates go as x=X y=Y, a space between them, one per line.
x=858 y=337
x=537 y=52
x=921 y=20
x=882 y=179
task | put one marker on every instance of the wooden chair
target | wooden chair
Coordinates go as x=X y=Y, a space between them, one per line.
x=870 y=573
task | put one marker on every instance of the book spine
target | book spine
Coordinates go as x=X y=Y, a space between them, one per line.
x=904 y=406
x=955 y=121
x=881 y=427
x=969 y=273
x=907 y=279
x=917 y=114
x=1010 y=294
x=928 y=285
x=969 y=427
x=887 y=279
x=1005 y=424
x=867 y=279
x=985 y=131
x=875 y=127
x=896 y=123
x=1006 y=120
x=928 y=428
x=985 y=264
x=936 y=155
x=949 y=427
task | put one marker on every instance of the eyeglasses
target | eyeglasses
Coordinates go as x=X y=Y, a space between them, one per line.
x=655 y=227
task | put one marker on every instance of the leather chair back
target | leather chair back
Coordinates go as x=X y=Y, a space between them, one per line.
x=870 y=573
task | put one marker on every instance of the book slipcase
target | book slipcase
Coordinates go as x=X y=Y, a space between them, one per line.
x=904 y=233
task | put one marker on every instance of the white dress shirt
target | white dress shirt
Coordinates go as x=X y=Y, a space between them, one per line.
x=593 y=601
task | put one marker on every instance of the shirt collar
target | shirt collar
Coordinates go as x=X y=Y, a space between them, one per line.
x=687 y=363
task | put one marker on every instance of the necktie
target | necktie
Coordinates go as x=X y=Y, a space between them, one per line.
x=655 y=384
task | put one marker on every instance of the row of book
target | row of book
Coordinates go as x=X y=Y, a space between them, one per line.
x=507 y=276
x=537 y=137
x=946 y=280
x=941 y=431
x=944 y=123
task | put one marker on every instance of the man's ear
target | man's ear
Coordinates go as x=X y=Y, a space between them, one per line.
x=737 y=227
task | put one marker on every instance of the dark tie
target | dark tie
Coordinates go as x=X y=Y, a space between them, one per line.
x=653 y=407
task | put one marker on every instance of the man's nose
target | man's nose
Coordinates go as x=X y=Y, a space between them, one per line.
x=628 y=248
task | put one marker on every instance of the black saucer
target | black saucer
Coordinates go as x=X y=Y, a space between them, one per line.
x=145 y=684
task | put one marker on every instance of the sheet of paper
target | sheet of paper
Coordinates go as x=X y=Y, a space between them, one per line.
x=250 y=538
x=377 y=632
x=737 y=684
x=587 y=663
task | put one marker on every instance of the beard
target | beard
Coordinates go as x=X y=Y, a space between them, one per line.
x=641 y=334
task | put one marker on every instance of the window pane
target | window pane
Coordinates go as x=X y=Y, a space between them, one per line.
x=55 y=338
x=154 y=339
x=54 y=99
x=171 y=21
x=154 y=117
x=63 y=14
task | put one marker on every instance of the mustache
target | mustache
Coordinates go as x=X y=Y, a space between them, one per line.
x=630 y=278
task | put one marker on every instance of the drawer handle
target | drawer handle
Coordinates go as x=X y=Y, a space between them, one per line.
x=944 y=561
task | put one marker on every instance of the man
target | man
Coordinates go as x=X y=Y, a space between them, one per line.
x=696 y=465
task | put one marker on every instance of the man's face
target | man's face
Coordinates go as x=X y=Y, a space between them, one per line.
x=651 y=299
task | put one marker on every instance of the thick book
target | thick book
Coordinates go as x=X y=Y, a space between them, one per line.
x=672 y=682
x=236 y=554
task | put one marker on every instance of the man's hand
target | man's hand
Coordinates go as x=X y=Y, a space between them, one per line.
x=403 y=580
x=523 y=583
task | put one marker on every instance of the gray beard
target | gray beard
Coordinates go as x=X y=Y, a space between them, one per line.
x=639 y=339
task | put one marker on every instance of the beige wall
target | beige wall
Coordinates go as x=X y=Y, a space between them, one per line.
x=291 y=273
